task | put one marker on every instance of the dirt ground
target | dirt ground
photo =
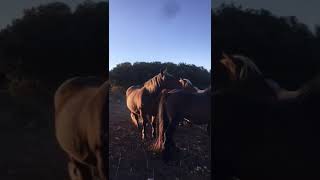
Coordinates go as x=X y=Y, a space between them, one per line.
x=29 y=149
x=28 y=145
x=130 y=159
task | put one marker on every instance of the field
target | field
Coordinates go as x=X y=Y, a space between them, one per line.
x=29 y=149
x=28 y=145
x=129 y=158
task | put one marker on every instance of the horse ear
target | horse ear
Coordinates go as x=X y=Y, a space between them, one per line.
x=165 y=70
x=161 y=71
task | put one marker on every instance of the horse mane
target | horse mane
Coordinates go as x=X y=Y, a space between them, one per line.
x=153 y=84
x=189 y=83
x=248 y=65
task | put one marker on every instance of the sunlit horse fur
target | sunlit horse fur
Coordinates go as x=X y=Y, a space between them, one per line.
x=80 y=121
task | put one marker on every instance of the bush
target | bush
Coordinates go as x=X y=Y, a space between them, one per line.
x=127 y=74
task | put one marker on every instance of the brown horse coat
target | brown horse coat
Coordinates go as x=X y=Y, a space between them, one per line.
x=80 y=121
x=142 y=101
x=175 y=105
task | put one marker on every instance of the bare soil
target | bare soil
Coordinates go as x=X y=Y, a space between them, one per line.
x=129 y=158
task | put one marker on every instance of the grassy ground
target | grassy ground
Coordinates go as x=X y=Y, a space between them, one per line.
x=130 y=159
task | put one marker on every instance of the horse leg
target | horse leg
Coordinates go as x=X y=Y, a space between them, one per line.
x=78 y=171
x=154 y=126
x=73 y=170
x=169 y=143
x=144 y=125
x=134 y=119
x=101 y=164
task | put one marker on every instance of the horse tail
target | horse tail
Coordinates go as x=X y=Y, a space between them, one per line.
x=158 y=144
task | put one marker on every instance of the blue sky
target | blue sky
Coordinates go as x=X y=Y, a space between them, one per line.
x=160 y=30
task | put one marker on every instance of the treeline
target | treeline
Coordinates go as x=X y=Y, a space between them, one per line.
x=284 y=48
x=51 y=43
x=127 y=74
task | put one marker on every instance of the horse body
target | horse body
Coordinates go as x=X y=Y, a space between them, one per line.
x=134 y=103
x=193 y=106
x=80 y=112
x=174 y=106
x=142 y=101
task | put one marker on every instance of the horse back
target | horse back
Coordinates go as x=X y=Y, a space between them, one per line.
x=194 y=106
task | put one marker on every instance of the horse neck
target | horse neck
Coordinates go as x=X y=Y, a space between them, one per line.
x=282 y=93
x=155 y=88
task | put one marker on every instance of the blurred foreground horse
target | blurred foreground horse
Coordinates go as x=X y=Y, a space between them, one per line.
x=263 y=131
x=80 y=122
x=142 y=101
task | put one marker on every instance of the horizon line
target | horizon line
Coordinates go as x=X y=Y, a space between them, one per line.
x=111 y=68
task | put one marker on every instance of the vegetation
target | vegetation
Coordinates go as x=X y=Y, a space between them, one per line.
x=127 y=74
x=284 y=48
x=51 y=43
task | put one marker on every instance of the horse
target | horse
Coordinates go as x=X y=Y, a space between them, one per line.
x=246 y=77
x=174 y=106
x=262 y=129
x=80 y=106
x=142 y=101
x=243 y=68
x=188 y=86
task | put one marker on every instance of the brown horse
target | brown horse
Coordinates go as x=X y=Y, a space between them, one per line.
x=242 y=68
x=80 y=121
x=142 y=101
x=174 y=106
x=188 y=86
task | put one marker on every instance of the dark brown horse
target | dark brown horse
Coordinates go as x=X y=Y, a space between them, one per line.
x=244 y=75
x=241 y=68
x=174 y=106
x=80 y=122
x=142 y=101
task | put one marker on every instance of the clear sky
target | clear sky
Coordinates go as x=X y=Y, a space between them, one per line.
x=160 y=30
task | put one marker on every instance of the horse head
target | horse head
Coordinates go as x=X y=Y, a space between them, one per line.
x=240 y=67
x=187 y=85
x=168 y=81
x=163 y=80
x=229 y=64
